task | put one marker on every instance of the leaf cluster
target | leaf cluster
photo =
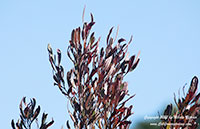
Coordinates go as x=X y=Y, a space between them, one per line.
x=187 y=110
x=28 y=114
x=96 y=90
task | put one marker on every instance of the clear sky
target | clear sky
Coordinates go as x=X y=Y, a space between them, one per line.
x=167 y=32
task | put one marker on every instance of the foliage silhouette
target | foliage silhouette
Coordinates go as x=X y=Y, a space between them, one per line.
x=96 y=90
x=28 y=114
x=187 y=111
x=185 y=114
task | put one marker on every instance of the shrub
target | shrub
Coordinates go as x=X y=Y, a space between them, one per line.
x=28 y=114
x=96 y=90
x=186 y=112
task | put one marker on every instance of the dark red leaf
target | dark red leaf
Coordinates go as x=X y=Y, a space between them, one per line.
x=134 y=65
x=127 y=100
x=72 y=36
x=109 y=35
x=121 y=109
x=50 y=123
x=70 y=55
x=88 y=28
x=83 y=31
x=192 y=90
x=37 y=111
x=196 y=99
x=121 y=40
x=55 y=79
x=168 y=110
x=89 y=58
x=59 y=56
x=130 y=64
x=125 y=123
x=92 y=18
x=121 y=97
x=68 y=125
x=13 y=124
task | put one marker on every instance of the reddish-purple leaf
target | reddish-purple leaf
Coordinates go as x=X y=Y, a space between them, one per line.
x=196 y=99
x=130 y=64
x=50 y=123
x=59 y=56
x=124 y=123
x=92 y=39
x=83 y=31
x=37 y=111
x=72 y=36
x=89 y=58
x=88 y=28
x=107 y=63
x=92 y=18
x=168 y=110
x=70 y=55
x=192 y=90
x=121 y=40
x=108 y=37
x=134 y=65
x=112 y=68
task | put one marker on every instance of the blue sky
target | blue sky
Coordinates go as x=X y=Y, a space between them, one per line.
x=167 y=33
